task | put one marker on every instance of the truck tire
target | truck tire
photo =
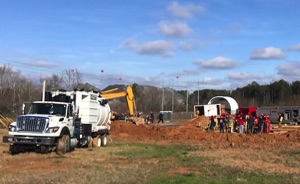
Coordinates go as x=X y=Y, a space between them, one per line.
x=97 y=141
x=44 y=149
x=13 y=150
x=90 y=144
x=104 y=140
x=63 y=145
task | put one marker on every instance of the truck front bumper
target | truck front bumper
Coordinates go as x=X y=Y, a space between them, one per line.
x=27 y=140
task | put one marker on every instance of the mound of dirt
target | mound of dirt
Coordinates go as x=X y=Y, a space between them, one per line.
x=194 y=131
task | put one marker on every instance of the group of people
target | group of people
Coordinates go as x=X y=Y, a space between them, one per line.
x=249 y=124
x=149 y=119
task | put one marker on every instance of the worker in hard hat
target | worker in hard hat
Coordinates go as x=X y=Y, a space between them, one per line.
x=246 y=126
x=280 y=119
x=251 y=124
x=221 y=125
x=230 y=124
x=216 y=122
x=267 y=125
x=261 y=123
x=212 y=123
x=241 y=124
x=151 y=117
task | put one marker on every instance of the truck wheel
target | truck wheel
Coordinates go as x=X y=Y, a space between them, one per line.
x=90 y=144
x=104 y=140
x=13 y=150
x=44 y=149
x=63 y=145
x=97 y=142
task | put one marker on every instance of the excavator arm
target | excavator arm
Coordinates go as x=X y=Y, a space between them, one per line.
x=128 y=94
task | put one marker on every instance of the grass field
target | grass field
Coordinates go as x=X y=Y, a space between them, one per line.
x=152 y=163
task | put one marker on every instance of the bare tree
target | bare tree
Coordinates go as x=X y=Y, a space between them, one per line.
x=8 y=79
x=54 y=82
x=14 y=90
x=72 y=78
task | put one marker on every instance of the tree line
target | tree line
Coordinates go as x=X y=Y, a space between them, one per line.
x=15 y=89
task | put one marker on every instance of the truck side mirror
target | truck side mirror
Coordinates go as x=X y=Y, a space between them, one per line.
x=23 y=108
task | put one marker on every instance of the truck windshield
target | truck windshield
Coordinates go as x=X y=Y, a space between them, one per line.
x=52 y=109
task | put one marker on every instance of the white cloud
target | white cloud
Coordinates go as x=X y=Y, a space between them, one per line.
x=209 y=80
x=295 y=48
x=216 y=63
x=188 y=45
x=158 y=47
x=43 y=64
x=239 y=76
x=185 y=11
x=290 y=70
x=245 y=76
x=241 y=79
x=177 y=29
x=268 y=53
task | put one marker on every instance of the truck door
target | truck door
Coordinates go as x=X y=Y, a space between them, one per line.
x=70 y=120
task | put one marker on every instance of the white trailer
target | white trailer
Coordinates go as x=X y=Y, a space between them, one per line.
x=209 y=110
x=290 y=113
x=60 y=122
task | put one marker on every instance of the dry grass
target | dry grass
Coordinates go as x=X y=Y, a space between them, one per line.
x=258 y=161
x=164 y=162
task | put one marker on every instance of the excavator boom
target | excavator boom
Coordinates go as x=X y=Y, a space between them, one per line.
x=128 y=94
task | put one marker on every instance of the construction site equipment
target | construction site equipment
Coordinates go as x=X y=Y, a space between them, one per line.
x=230 y=104
x=5 y=121
x=290 y=113
x=60 y=122
x=246 y=111
x=209 y=110
x=130 y=100
x=217 y=106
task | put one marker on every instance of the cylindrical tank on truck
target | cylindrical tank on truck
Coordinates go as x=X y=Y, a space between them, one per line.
x=60 y=122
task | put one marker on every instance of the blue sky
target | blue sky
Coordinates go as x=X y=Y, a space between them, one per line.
x=214 y=44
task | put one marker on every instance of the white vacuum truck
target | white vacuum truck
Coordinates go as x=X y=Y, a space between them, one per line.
x=60 y=122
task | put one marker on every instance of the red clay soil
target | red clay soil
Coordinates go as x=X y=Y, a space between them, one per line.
x=193 y=131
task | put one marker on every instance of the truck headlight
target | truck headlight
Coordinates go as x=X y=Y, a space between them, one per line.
x=12 y=128
x=52 y=129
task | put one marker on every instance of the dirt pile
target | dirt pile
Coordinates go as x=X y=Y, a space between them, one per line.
x=193 y=131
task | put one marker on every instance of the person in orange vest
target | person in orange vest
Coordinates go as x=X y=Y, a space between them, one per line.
x=255 y=125
x=267 y=125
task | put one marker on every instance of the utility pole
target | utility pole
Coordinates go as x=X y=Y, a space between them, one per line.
x=198 y=90
x=173 y=94
x=187 y=95
x=187 y=100
x=163 y=98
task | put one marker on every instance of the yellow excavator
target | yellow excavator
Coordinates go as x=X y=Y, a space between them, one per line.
x=129 y=96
